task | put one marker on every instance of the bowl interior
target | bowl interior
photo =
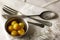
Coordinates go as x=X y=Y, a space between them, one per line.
x=18 y=19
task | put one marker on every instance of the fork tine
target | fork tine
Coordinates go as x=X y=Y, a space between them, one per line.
x=9 y=10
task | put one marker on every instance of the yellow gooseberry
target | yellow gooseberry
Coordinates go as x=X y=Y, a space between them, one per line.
x=21 y=24
x=16 y=26
x=13 y=22
x=10 y=28
x=21 y=32
x=14 y=33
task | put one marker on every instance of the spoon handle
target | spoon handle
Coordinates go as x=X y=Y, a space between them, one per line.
x=8 y=16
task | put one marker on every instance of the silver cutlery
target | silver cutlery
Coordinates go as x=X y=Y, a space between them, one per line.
x=47 y=15
x=12 y=12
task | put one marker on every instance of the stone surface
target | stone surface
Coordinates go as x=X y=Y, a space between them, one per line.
x=35 y=32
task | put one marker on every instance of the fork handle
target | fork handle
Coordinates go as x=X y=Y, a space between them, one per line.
x=37 y=24
x=41 y=21
x=9 y=16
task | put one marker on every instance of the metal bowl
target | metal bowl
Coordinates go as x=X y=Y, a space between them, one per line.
x=18 y=19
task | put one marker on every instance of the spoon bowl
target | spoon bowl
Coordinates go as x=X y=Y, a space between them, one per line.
x=47 y=15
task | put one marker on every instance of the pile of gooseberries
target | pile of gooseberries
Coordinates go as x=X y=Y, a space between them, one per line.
x=16 y=29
